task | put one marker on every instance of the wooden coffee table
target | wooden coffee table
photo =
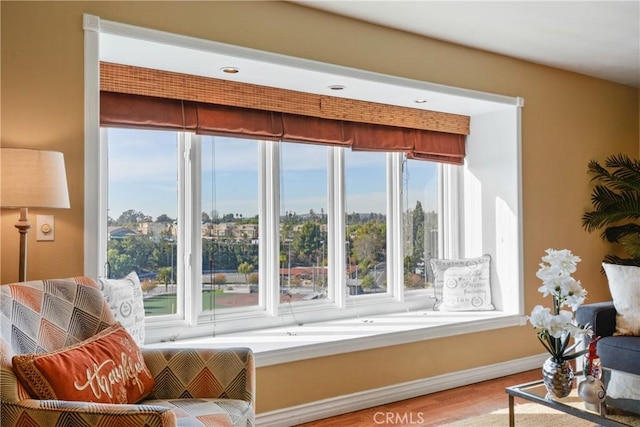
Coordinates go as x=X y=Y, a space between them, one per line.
x=535 y=391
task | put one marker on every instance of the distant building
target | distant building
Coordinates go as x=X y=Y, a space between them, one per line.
x=155 y=228
x=245 y=231
x=119 y=233
x=224 y=229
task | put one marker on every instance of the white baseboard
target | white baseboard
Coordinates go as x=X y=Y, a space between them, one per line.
x=366 y=399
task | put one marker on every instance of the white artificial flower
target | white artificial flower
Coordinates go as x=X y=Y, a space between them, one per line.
x=540 y=317
x=563 y=259
x=547 y=272
x=553 y=286
x=559 y=323
x=578 y=332
x=574 y=294
x=546 y=289
x=553 y=330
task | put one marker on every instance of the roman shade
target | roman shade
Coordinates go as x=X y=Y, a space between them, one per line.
x=128 y=99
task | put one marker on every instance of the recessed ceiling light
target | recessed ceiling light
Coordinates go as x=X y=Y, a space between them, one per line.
x=337 y=87
x=230 y=70
x=420 y=101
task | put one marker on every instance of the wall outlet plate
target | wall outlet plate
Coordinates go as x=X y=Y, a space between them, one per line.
x=44 y=228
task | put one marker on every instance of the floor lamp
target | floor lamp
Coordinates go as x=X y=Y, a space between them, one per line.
x=31 y=179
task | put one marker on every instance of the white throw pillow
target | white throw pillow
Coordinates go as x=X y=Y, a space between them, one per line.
x=125 y=300
x=463 y=284
x=624 y=285
x=623 y=386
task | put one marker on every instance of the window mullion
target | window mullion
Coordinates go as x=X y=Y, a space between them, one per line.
x=188 y=299
x=395 y=254
x=269 y=225
x=189 y=282
x=102 y=200
x=336 y=228
x=194 y=203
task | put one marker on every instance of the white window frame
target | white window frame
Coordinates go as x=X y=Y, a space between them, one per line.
x=96 y=177
x=269 y=310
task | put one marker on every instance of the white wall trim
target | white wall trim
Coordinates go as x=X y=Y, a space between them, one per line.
x=94 y=203
x=520 y=216
x=366 y=399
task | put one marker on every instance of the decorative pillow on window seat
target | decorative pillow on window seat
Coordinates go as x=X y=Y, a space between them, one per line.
x=125 y=300
x=463 y=284
x=106 y=368
x=624 y=285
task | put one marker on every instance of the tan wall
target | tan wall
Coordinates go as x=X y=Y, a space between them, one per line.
x=568 y=119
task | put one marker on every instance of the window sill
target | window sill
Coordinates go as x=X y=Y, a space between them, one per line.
x=298 y=342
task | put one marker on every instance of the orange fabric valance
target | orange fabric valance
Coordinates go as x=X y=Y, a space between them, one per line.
x=137 y=111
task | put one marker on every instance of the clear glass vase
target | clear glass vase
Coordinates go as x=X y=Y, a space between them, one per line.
x=558 y=377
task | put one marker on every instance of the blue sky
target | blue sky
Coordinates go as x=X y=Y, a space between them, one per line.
x=143 y=176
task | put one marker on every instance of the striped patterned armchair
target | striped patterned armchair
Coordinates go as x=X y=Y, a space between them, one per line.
x=193 y=387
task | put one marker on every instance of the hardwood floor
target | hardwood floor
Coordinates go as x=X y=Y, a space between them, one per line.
x=435 y=409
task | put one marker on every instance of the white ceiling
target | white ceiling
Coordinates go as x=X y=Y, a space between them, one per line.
x=596 y=38
x=124 y=44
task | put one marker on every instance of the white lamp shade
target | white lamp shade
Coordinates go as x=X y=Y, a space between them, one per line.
x=32 y=179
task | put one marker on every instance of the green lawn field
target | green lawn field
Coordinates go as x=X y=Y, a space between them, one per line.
x=165 y=303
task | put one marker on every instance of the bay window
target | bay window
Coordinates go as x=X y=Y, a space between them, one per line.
x=245 y=204
x=148 y=226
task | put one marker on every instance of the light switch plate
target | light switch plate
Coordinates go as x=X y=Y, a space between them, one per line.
x=44 y=228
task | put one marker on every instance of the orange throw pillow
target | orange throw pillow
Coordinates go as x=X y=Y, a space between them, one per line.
x=106 y=368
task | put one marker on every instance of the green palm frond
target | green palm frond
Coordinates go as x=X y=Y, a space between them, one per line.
x=597 y=170
x=614 y=259
x=611 y=207
x=627 y=170
x=592 y=221
x=616 y=198
x=631 y=244
x=605 y=199
x=625 y=176
x=618 y=233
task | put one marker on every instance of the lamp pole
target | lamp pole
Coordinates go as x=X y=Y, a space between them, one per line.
x=23 y=225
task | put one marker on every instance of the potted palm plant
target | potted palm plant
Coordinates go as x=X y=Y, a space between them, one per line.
x=616 y=206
